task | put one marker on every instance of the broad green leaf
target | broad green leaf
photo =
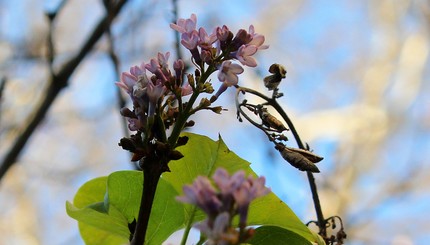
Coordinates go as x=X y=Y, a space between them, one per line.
x=94 y=236
x=95 y=224
x=91 y=192
x=203 y=156
x=276 y=235
x=270 y=210
x=104 y=206
x=124 y=193
x=95 y=215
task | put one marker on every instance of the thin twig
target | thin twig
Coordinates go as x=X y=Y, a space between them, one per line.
x=177 y=37
x=115 y=62
x=55 y=85
x=2 y=86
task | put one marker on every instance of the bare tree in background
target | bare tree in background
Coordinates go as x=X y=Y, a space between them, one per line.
x=371 y=105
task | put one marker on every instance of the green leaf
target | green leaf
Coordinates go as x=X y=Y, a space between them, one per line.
x=203 y=156
x=124 y=193
x=96 y=225
x=279 y=215
x=104 y=206
x=276 y=235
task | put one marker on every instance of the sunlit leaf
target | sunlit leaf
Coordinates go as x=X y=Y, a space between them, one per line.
x=96 y=225
x=109 y=217
x=124 y=193
x=105 y=206
x=276 y=235
x=203 y=156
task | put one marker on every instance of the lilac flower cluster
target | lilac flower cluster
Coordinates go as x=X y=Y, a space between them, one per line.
x=157 y=91
x=145 y=91
x=232 y=196
x=219 y=47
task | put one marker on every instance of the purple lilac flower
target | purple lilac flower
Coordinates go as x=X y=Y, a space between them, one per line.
x=134 y=124
x=222 y=33
x=226 y=183
x=185 y=25
x=257 y=39
x=218 y=233
x=186 y=90
x=228 y=72
x=190 y=40
x=203 y=195
x=232 y=196
x=205 y=40
x=127 y=81
x=154 y=92
x=159 y=66
x=244 y=55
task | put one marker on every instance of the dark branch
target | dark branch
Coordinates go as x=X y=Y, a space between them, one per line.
x=56 y=84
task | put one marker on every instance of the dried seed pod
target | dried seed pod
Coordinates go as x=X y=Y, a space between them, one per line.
x=278 y=73
x=298 y=159
x=271 y=121
x=308 y=154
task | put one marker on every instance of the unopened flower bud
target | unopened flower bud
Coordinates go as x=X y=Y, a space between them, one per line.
x=216 y=109
x=175 y=155
x=191 y=81
x=178 y=65
x=125 y=112
x=204 y=103
x=190 y=123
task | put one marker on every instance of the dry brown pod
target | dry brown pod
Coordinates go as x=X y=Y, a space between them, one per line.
x=272 y=122
x=299 y=158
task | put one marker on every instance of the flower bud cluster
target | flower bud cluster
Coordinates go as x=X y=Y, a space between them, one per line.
x=219 y=47
x=231 y=196
x=147 y=90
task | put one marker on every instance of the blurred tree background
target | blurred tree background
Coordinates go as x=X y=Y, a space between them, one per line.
x=357 y=89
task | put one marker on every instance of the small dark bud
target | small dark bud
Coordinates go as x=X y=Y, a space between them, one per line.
x=197 y=73
x=272 y=81
x=216 y=109
x=175 y=155
x=182 y=141
x=127 y=144
x=213 y=98
x=161 y=147
x=283 y=138
x=137 y=156
x=125 y=112
x=208 y=88
x=190 y=123
x=191 y=80
x=204 y=103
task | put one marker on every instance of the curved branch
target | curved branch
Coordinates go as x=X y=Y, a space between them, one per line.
x=272 y=102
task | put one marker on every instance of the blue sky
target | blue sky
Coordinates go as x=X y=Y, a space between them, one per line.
x=327 y=48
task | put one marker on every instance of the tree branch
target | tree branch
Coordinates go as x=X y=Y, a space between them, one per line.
x=56 y=84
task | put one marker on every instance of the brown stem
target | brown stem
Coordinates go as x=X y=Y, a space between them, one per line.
x=152 y=170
